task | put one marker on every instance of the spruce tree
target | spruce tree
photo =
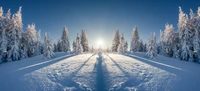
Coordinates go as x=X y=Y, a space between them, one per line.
x=59 y=46
x=31 y=39
x=152 y=47
x=84 y=41
x=65 y=40
x=185 y=35
x=38 y=43
x=48 y=47
x=79 y=48
x=116 y=41
x=126 y=46
x=121 y=48
x=74 y=46
x=135 y=40
x=14 y=34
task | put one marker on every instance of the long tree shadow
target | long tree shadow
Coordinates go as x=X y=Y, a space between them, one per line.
x=100 y=85
x=40 y=65
x=74 y=73
x=131 y=80
x=166 y=67
x=68 y=81
x=17 y=73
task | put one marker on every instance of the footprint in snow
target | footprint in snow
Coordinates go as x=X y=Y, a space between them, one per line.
x=69 y=89
x=84 y=87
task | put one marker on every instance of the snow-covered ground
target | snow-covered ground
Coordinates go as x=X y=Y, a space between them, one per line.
x=91 y=72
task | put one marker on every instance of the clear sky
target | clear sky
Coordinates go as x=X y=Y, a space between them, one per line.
x=100 y=18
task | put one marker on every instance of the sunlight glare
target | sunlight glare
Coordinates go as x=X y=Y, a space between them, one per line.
x=99 y=42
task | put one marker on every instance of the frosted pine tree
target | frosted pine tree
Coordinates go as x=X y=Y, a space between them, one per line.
x=84 y=41
x=38 y=43
x=145 y=47
x=1 y=12
x=140 y=47
x=14 y=52
x=152 y=48
x=197 y=31
x=78 y=45
x=92 y=49
x=116 y=41
x=4 y=41
x=48 y=47
x=59 y=46
x=74 y=46
x=121 y=48
x=54 y=47
x=31 y=39
x=15 y=35
x=162 y=47
x=135 y=40
x=65 y=40
x=126 y=46
x=185 y=35
x=169 y=40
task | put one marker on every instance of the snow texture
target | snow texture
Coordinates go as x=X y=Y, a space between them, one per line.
x=100 y=72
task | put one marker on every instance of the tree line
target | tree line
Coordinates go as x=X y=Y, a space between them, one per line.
x=18 y=44
x=183 y=44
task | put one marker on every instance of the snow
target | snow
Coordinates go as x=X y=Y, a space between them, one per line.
x=100 y=72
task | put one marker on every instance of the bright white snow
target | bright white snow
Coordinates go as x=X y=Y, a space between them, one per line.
x=89 y=72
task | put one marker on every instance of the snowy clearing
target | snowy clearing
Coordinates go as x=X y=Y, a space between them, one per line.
x=89 y=72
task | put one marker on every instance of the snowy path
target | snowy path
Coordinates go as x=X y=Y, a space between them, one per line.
x=89 y=72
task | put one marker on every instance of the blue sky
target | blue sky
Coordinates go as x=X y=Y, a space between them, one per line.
x=100 y=18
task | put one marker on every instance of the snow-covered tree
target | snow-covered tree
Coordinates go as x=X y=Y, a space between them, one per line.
x=197 y=33
x=185 y=35
x=108 y=49
x=14 y=34
x=116 y=41
x=152 y=47
x=8 y=14
x=145 y=47
x=14 y=52
x=59 y=46
x=31 y=39
x=65 y=41
x=169 y=40
x=4 y=41
x=140 y=47
x=126 y=46
x=92 y=49
x=198 y=12
x=162 y=47
x=135 y=40
x=55 y=47
x=79 y=48
x=1 y=11
x=38 y=43
x=24 y=45
x=48 y=47
x=74 y=46
x=84 y=41
x=121 y=48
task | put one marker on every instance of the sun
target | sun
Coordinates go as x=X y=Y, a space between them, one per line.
x=100 y=42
